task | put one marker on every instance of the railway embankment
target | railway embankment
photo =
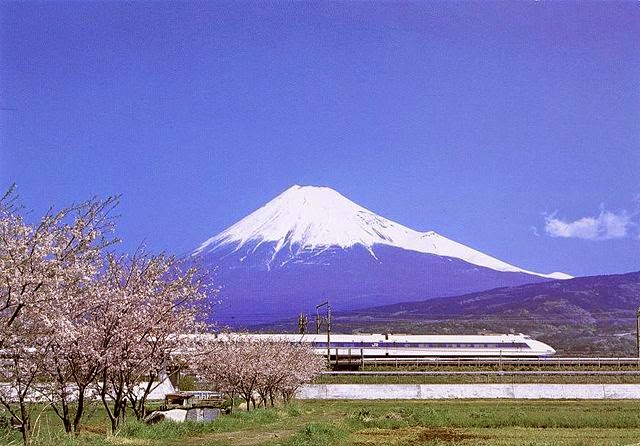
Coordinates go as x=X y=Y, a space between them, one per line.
x=468 y=391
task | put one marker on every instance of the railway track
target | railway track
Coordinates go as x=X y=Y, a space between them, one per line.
x=467 y=376
x=488 y=372
x=347 y=362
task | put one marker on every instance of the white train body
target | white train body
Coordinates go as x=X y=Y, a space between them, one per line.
x=418 y=346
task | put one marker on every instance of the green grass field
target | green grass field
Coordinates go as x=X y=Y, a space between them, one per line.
x=385 y=423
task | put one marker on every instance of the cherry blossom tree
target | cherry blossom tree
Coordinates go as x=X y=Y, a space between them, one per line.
x=219 y=362
x=75 y=357
x=248 y=366
x=19 y=372
x=302 y=366
x=77 y=321
x=40 y=265
x=147 y=302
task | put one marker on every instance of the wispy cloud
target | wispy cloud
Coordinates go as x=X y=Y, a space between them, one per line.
x=606 y=226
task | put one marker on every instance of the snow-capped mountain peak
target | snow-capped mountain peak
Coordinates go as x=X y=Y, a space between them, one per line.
x=308 y=217
x=311 y=217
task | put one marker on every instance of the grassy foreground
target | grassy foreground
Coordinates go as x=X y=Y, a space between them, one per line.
x=385 y=423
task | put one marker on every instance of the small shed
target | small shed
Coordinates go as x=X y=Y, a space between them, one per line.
x=178 y=400
x=206 y=398
x=199 y=406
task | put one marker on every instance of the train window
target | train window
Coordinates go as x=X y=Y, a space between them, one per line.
x=422 y=345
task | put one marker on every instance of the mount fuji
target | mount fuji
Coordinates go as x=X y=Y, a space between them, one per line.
x=311 y=244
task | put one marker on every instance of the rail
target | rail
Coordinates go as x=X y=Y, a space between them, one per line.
x=541 y=361
x=487 y=372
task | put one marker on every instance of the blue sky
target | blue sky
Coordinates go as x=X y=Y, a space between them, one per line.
x=512 y=127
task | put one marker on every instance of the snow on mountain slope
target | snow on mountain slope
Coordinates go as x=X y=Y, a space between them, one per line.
x=308 y=218
x=433 y=243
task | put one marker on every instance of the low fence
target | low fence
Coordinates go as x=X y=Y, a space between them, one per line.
x=470 y=391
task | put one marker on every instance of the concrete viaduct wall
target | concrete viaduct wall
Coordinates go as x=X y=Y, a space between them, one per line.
x=452 y=391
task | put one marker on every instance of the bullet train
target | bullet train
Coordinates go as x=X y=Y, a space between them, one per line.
x=371 y=346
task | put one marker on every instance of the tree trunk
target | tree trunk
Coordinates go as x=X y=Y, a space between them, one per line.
x=116 y=400
x=77 y=420
x=114 y=425
x=66 y=417
x=63 y=413
x=25 y=428
x=263 y=398
x=123 y=410
x=139 y=407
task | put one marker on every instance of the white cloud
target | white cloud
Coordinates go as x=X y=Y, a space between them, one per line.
x=608 y=225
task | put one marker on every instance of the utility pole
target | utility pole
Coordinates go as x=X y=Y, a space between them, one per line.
x=328 y=321
x=329 y=331
x=317 y=321
x=302 y=323
x=638 y=333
